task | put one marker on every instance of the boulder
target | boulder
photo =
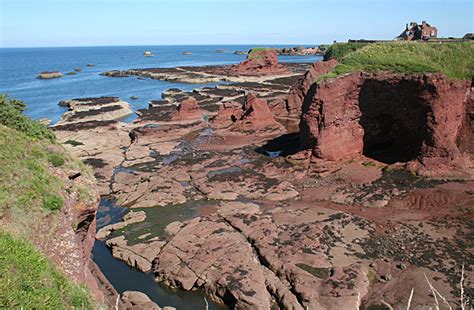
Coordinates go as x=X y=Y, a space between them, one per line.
x=138 y=300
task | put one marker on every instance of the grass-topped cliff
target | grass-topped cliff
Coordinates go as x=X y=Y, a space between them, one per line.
x=456 y=60
x=33 y=176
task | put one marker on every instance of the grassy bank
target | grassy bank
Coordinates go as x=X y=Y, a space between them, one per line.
x=456 y=60
x=33 y=176
x=29 y=281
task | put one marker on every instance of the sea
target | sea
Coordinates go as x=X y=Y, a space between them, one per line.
x=19 y=68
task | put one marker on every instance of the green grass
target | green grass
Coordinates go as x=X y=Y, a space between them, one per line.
x=25 y=179
x=456 y=60
x=56 y=159
x=29 y=281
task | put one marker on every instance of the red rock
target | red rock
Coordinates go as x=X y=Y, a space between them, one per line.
x=229 y=113
x=188 y=109
x=301 y=87
x=263 y=62
x=256 y=114
x=388 y=117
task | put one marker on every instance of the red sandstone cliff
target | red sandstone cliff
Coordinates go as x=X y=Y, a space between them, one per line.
x=415 y=119
x=299 y=90
x=67 y=237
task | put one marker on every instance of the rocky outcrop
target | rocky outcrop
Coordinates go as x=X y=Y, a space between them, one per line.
x=137 y=300
x=188 y=109
x=299 y=90
x=216 y=74
x=388 y=117
x=300 y=51
x=94 y=109
x=47 y=75
x=262 y=62
x=236 y=125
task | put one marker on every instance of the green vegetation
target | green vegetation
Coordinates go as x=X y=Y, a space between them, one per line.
x=11 y=116
x=339 y=50
x=253 y=53
x=25 y=180
x=33 y=170
x=318 y=272
x=73 y=142
x=57 y=159
x=371 y=275
x=29 y=281
x=456 y=60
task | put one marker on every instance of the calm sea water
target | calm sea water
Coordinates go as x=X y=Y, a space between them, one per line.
x=20 y=66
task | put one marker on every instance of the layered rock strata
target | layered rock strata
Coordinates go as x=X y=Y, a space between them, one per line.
x=97 y=109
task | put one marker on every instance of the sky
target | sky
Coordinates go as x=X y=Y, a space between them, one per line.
x=38 y=23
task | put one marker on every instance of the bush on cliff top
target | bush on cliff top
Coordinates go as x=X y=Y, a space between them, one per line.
x=29 y=281
x=456 y=60
x=11 y=116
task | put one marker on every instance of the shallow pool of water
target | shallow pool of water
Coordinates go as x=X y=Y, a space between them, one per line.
x=123 y=278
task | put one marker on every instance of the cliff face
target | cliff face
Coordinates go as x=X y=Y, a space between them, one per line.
x=299 y=90
x=67 y=237
x=52 y=199
x=417 y=119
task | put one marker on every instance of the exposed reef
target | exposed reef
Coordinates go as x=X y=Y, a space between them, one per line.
x=97 y=109
x=47 y=75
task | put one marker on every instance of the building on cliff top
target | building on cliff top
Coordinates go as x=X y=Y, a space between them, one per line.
x=414 y=31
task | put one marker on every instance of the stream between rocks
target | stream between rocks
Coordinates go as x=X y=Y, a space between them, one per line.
x=124 y=278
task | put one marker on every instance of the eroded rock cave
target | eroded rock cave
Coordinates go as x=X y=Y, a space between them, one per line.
x=394 y=119
x=388 y=117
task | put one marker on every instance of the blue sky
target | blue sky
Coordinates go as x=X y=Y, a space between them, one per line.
x=156 y=22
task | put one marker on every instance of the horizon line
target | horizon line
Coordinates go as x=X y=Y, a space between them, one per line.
x=137 y=45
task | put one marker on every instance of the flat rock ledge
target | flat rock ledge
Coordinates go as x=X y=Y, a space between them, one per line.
x=130 y=218
x=94 y=109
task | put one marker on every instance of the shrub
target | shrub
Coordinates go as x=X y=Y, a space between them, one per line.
x=11 y=116
x=52 y=202
x=56 y=159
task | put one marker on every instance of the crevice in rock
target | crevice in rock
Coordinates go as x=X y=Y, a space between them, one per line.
x=263 y=261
